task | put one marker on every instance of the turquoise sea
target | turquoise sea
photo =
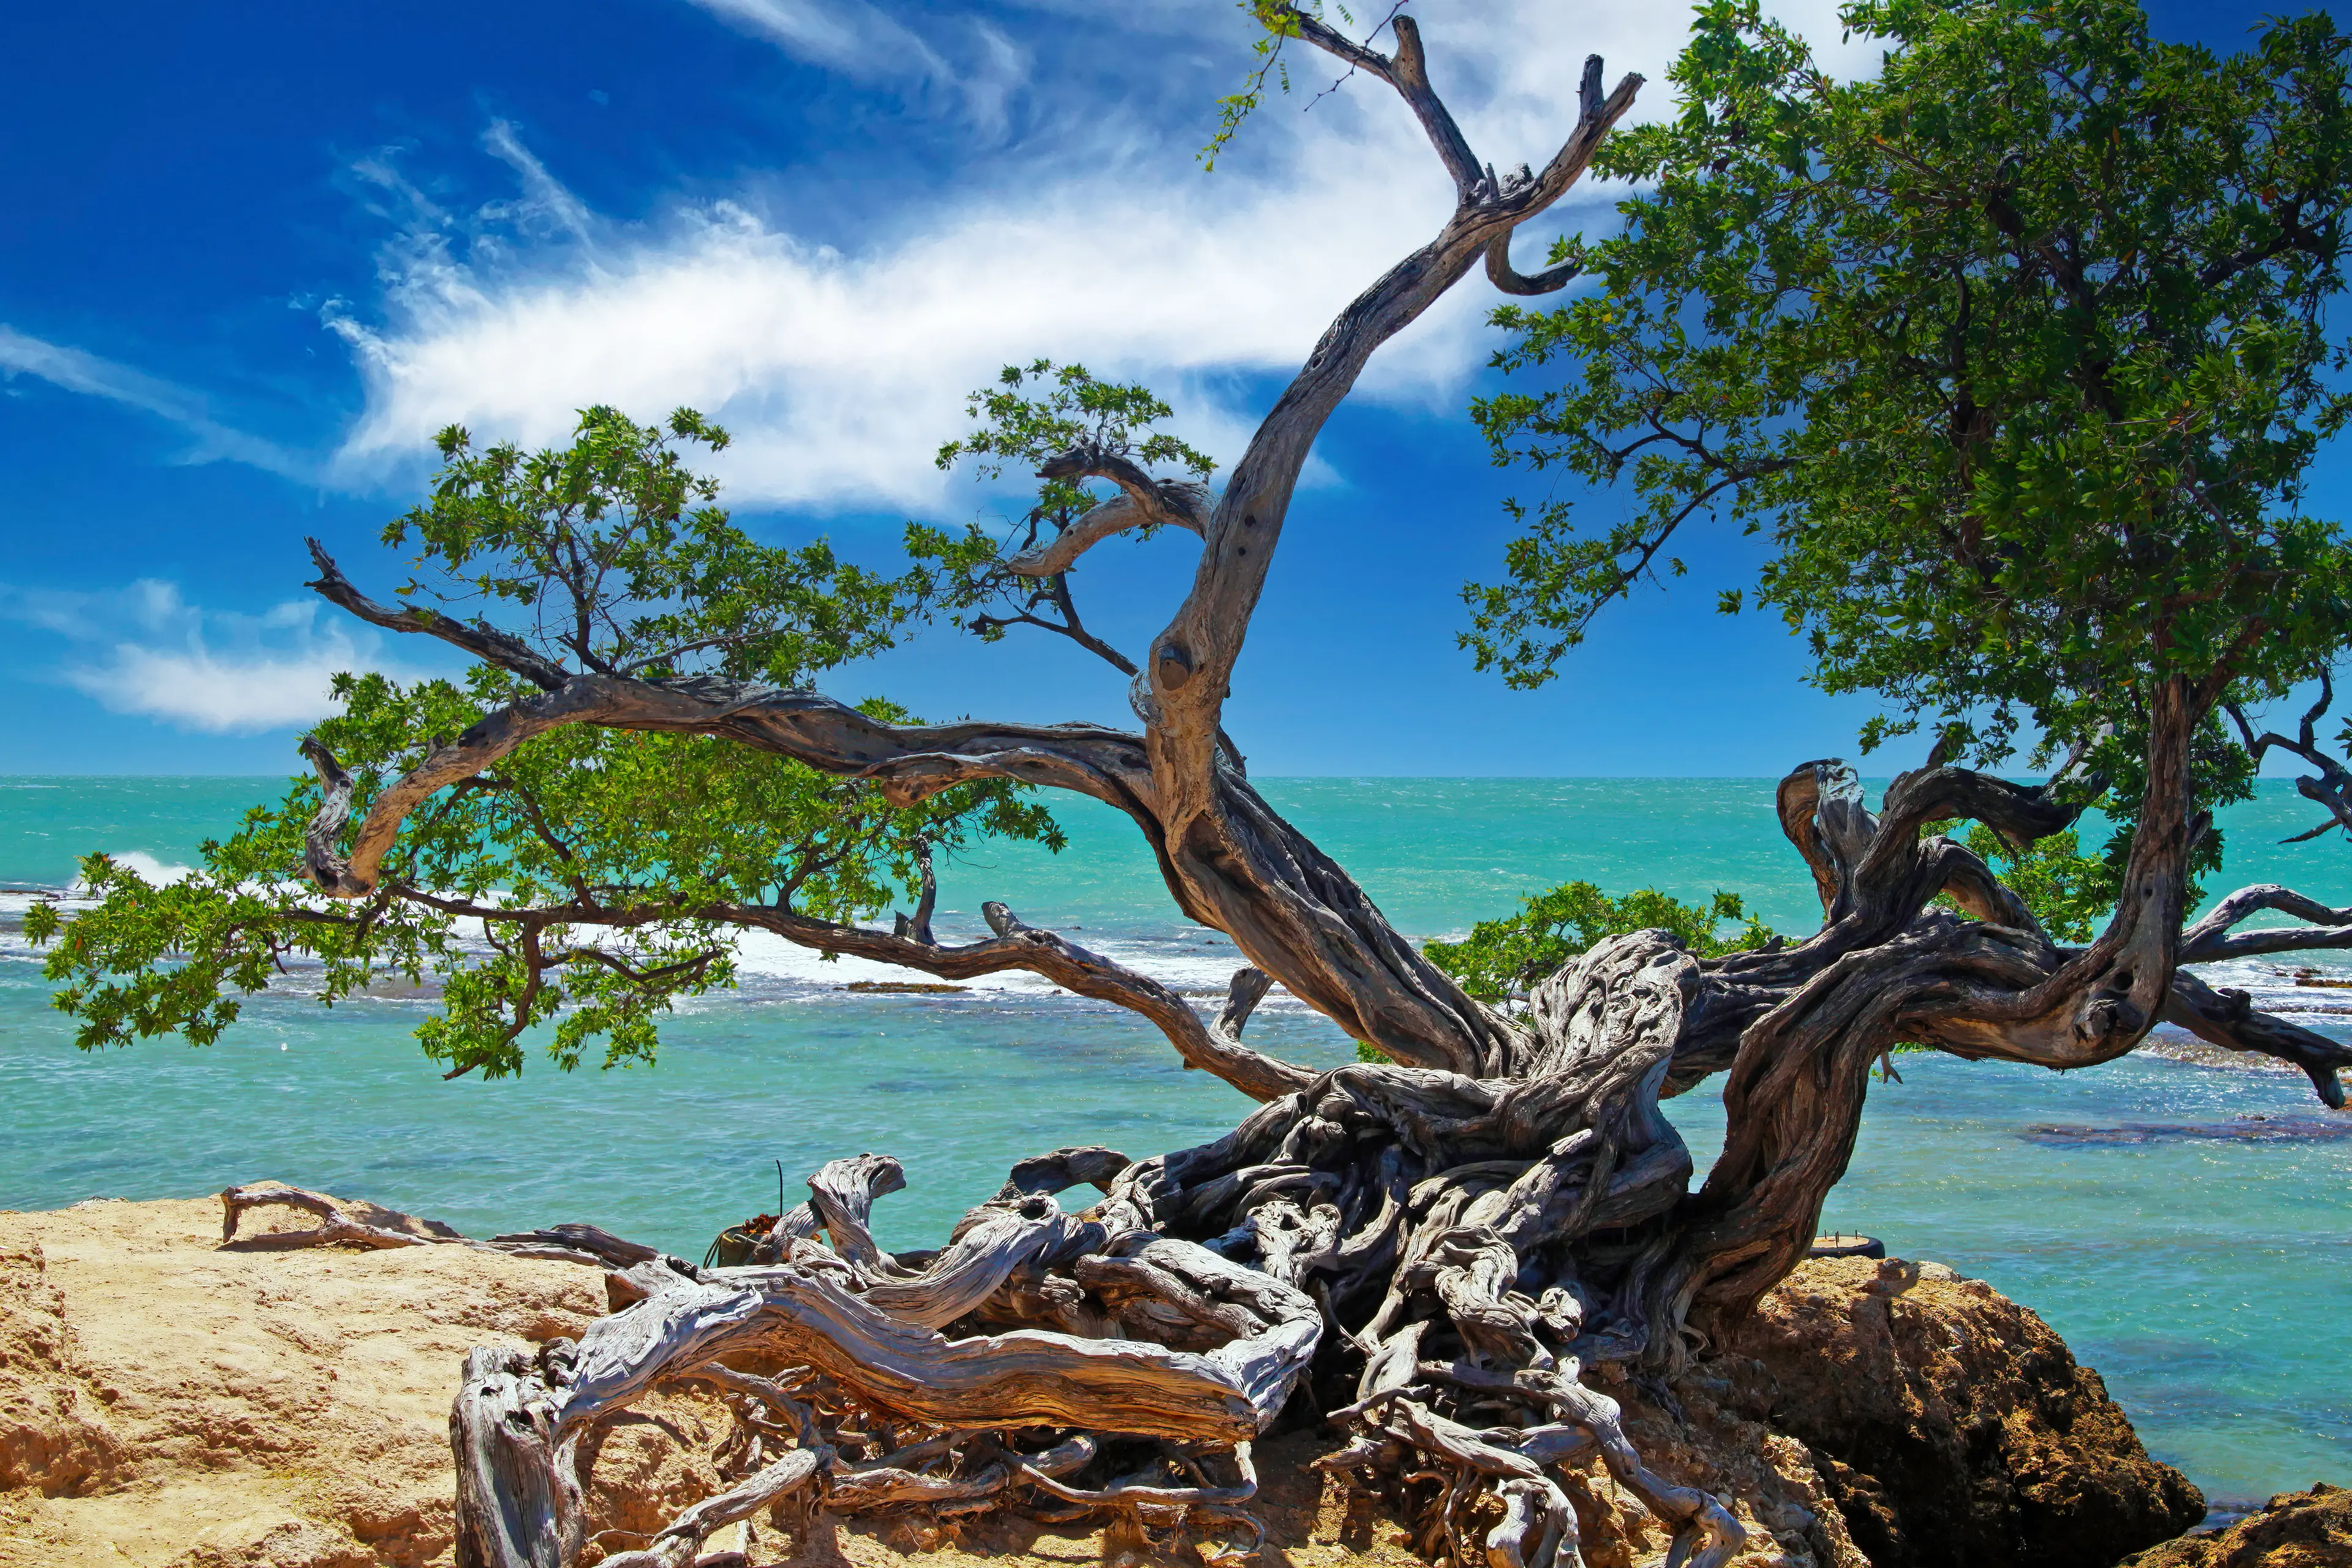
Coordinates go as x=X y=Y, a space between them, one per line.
x=2204 y=1274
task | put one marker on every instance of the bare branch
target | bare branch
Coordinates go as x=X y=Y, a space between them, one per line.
x=2333 y=788
x=1142 y=501
x=1191 y=664
x=1217 y=1050
x=482 y=640
x=1499 y=270
x=2228 y=1019
x=1176 y=501
x=1016 y=945
x=2212 y=938
x=917 y=928
x=1510 y=281
x=1407 y=72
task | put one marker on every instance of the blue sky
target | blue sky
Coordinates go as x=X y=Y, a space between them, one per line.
x=258 y=254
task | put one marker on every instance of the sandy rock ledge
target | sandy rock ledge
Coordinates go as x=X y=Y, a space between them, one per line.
x=168 y=1402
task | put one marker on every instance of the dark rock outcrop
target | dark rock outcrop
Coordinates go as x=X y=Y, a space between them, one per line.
x=1941 y=1426
x=2294 y=1529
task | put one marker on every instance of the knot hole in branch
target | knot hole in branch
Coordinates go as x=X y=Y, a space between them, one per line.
x=1173 y=665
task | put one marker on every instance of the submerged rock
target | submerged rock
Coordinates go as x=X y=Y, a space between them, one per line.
x=2294 y=1529
x=172 y=1402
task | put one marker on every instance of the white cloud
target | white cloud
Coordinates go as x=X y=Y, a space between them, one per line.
x=840 y=369
x=76 y=371
x=144 y=650
x=865 y=44
x=850 y=37
x=544 y=197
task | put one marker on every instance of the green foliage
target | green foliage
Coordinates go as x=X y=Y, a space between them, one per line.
x=1034 y=415
x=2017 y=353
x=593 y=877
x=2071 y=893
x=1042 y=410
x=1277 y=24
x=1502 y=959
x=615 y=551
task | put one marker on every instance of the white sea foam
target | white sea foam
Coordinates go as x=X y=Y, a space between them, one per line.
x=2271 y=983
x=159 y=873
x=1192 y=960
x=1183 y=960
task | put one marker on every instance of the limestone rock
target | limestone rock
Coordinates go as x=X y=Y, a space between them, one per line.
x=166 y=1402
x=53 y=1435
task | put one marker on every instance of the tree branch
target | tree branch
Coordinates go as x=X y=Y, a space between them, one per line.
x=2333 y=788
x=2228 y=1019
x=1191 y=661
x=1215 y=1048
x=908 y=762
x=1103 y=520
x=1499 y=270
x=1503 y=276
x=1177 y=501
x=1407 y=72
x=2212 y=938
x=1228 y=860
x=482 y=640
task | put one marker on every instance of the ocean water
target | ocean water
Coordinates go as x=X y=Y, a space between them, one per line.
x=2197 y=1257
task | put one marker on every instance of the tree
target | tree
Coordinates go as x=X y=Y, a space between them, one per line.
x=1503 y=961
x=1814 y=320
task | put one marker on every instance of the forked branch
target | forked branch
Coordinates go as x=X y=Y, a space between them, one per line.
x=2332 y=788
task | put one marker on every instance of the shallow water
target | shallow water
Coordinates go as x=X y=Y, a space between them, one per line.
x=2203 y=1273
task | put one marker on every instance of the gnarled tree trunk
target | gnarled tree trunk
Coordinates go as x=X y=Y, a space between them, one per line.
x=1452 y=1236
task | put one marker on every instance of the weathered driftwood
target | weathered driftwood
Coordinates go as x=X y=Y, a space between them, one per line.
x=1455 y=1232
x=856 y=1325
x=347 y=1223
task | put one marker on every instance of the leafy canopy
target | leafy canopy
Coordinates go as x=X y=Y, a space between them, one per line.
x=592 y=877
x=1502 y=959
x=1034 y=414
x=621 y=561
x=2017 y=354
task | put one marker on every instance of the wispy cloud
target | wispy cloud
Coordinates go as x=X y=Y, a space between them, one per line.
x=545 y=202
x=840 y=366
x=80 y=372
x=144 y=650
x=863 y=43
x=839 y=352
x=846 y=36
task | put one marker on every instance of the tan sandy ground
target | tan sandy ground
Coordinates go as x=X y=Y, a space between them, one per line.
x=215 y=1402
x=165 y=1399
x=204 y=1408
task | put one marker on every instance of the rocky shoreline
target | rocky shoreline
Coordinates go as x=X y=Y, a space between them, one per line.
x=172 y=1402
